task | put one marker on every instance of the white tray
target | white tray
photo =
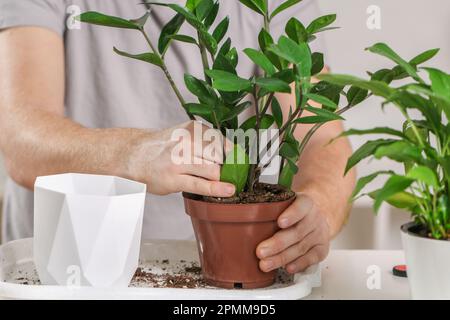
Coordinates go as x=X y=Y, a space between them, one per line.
x=16 y=263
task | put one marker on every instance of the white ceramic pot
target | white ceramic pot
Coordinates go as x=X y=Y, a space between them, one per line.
x=428 y=262
x=87 y=229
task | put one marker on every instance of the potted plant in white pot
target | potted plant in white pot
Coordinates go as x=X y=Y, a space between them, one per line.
x=423 y=147
x=229 y=230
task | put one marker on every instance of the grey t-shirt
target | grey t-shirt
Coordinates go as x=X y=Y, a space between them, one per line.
x=104 y=90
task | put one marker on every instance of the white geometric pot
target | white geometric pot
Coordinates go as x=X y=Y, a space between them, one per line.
x=87 y=229
x=428 y=262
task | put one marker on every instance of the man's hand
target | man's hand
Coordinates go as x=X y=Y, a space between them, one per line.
x=303 y=241
x=152 y=161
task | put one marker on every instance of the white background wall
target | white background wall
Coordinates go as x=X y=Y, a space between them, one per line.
x=410 y=27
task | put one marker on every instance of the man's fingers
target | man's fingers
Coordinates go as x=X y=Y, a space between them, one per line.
x=290 y=254
x=206 y=169
x=284 y=239
x=296 y=212
x=204 y=187
x=312 y=257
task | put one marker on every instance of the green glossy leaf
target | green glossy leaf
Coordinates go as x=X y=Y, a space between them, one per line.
x=261 y=60
x=277 y=112
x=221 y=29
x=228 y=82
x=203 y=9
x=189 y=16
x=377 y=87
x=273 y=85
x=282 y=7
x=147 y=57
x=393 y=186
x=425 y=175
x=191 y=5
x=365 y=151
x=287 y=175
x=224 y=64
x=236 y=168
x=324 y=113
x=329 y=90
x=209 y=41
x=293 y=52
x=324 y=101
x=183 y=38
x=101 y=19
x=237 y=111
x=209 y=20
x=356 y=95
x=317 y=63
x=384 y=75
x=199 y=89
x=296 y=31
x=384 y=50
x=202 y=110
x=169 y=30
x=320 y=23
x=266 y=122
x=258 y=6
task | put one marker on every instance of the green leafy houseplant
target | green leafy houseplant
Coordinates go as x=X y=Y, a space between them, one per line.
x=222 y=95
x=423 y=146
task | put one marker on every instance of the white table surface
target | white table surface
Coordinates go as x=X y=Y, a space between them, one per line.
x=345 y=275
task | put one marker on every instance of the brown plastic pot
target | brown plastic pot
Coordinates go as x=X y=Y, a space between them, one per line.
x=227 y=238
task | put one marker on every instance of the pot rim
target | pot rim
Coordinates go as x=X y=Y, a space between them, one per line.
x=406 y=230
x=194 y=198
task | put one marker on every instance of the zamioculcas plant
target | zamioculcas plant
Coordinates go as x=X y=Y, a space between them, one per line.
x=223 y=95
x=423 y=147
x=287 y=65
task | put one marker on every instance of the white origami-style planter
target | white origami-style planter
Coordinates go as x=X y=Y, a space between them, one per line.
x=428 y=263
x=87 y=229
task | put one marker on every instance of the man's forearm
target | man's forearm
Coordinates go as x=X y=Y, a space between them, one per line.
x=321 y=175
x=36 y=142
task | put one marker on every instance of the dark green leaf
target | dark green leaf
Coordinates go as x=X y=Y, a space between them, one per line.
x=384 y=75
x=199 y=89
x=266 y=122
x=204 y=8
x=235 y=170
x=285 y=5
x=228 y=82
x=273 y=85
x=209 y=41
x=261 y=60
x=147 y=57
x=313 y=120
x=379 y=130
x=183 y=38
x=296 y=31
x=324 y=101
x=170 y=29
x=258 y=6
x=224 y=64
x=287 y=174
x=293 y=52
x=237 y=111
x=317 y=63
x=326 y=89
x=212 y=15
x=320 y=23
x=424 y=57
x=324 y=113
x=356 y=95
x=440 y=83
x=101 y=19
x=221 y=29
x=277 y=112
x=226 y=47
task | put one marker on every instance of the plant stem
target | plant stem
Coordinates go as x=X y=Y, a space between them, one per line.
x=168 y=75
x=205 y=61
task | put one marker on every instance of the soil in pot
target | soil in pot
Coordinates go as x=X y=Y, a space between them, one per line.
x=421 y=231
x=228 y=233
